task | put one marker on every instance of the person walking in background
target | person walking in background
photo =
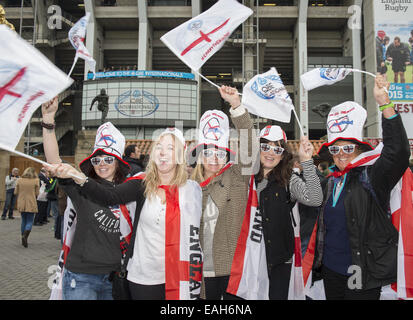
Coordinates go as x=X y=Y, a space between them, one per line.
x=132 y=157
x=10 y=202
x=42 y=202
x=53 y=205
x=27 y=190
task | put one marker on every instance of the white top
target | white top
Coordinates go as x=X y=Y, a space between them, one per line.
x=147 y=265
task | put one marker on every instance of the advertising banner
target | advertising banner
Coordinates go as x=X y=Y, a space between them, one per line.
x=394 y=42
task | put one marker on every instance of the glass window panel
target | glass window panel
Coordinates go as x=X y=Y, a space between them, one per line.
x=172 y=92
x=173 y=100
x=173 y=85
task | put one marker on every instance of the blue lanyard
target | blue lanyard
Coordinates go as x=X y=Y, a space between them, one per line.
x=335 y=199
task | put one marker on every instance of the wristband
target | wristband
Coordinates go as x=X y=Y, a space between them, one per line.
x=49 y=126
x=386 y=106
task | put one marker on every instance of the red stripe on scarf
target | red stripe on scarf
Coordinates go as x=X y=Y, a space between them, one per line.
x=309 y=255
x=297 y=252
x=175 y=270
x=238 y=261
x=207 y=181
x=406 y=217
x=359 y=163
x=126 y=215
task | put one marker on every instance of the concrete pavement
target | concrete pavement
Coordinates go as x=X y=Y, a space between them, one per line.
x=24 y=271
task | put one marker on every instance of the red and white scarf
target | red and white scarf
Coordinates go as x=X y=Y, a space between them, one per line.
x=249 y=275
x=401 y=207
x=183 y=254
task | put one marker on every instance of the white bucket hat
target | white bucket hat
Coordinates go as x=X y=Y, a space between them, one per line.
x=213 y=131
x=346 y=122
x=110 y=141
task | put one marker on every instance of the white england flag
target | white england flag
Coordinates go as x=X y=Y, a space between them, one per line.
x=198 y=39
x=27 y=79
x=77 y=36
x=266 y=96
x=323 y=77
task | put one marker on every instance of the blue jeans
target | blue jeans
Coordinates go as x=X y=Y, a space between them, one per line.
x=9 y=203
x=27 y=221
x=81 y=286
x=54 y=208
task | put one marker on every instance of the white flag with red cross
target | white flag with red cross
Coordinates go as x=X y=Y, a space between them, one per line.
x=198 y=39
x=77 y=36
x=27 y=79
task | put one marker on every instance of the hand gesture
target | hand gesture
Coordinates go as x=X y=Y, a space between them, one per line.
x=65 y=171
x=231 y=96
x=306 y=150
x=49 y=109
x=381 y=90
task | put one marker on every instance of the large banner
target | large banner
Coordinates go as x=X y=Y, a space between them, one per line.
x=394 y=42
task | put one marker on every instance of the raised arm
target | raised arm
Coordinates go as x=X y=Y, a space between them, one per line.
x=51 y=148
x=104 y=194
x=248 y=147
x=307 y=191
x=394 y=159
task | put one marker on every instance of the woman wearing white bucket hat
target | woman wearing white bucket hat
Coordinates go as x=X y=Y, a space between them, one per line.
x=353 y=228
x=92 y=238
x=224 y=189
x=164 y=258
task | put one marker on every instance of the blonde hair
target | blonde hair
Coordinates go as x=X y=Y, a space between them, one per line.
x=29 y=173
x=152 y=181
x=198 y=172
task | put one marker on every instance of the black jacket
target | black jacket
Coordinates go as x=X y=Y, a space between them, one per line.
x=373 y=238
x=96 y=245
x=275 y=207
x=135 y=165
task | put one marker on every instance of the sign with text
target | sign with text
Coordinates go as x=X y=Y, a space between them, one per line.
x=394 y=42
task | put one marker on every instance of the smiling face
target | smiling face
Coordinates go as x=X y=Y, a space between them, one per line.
x=213 y=161
x=269 y=160
x=164 y=154
x=104 y=170
x=342 y=159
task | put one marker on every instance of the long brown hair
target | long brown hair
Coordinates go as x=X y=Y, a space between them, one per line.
x=281 y=174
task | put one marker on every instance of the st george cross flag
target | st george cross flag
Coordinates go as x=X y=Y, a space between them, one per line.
x=198 y=39
x=27 y=79
x=77 y=36
x=266 y=96
x=249 y=275
x=323 y=77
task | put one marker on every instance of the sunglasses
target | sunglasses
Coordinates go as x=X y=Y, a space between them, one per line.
x=98 y=160
x=348 y=149
x=208 y=153
x=266 y=148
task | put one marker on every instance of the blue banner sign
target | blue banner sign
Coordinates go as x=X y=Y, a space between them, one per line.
x=142 y=74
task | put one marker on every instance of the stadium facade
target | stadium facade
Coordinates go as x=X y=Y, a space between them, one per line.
x=150 y=88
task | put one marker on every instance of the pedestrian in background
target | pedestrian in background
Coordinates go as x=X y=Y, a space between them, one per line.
x=132 y=157
x=27 y=190
x=42 y=202
x=10 y=202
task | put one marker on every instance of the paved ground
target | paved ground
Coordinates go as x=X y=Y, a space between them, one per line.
x=24 y=271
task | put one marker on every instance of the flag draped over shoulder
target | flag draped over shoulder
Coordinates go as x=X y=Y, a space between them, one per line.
x=401 y=206
x=198 y=39
x=27 y=79
x=323 y=77
x=249 y=276
x=266 y=96
x=77 y=36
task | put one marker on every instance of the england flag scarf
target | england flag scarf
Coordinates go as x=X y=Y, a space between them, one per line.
x=249 y=275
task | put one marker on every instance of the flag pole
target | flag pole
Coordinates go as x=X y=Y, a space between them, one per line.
x=299 y=123
x=73 y=66
x=32 y=158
